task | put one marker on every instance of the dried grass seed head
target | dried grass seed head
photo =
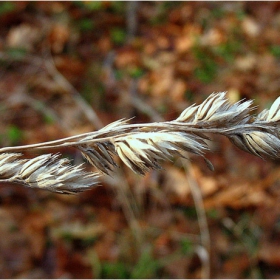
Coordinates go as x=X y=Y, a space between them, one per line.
x=258 y=143
x=99 y=155
x=216 y=111
x=141 y=151
x=141 y=146
x=9 y=164
x=271 y=115
x=46 y=172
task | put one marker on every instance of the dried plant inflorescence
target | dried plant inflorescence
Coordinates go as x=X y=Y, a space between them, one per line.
x=142 y=146
x=46 y=172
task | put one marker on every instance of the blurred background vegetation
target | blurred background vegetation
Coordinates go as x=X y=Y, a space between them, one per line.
x=72 y=67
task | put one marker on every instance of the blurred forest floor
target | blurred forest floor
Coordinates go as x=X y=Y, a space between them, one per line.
x=72 y=67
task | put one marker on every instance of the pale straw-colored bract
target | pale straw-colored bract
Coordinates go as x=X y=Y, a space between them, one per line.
x=144 y=146
x=45 y=172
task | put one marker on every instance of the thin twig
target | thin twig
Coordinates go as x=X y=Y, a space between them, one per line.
x=88 y=110
x=131 y=19
x=202 y=219
x=172 y=126
x=58 y=77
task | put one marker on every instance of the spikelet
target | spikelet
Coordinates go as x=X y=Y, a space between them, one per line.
x=99 y=155
x=271 y=115
x=216 y=111
x=46 y=172
x=258 y=143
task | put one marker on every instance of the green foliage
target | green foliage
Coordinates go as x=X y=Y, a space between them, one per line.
x=133 y=72
x=245 y=237
x=48 y=119
x=218 y=12
x=275 y=50
x=118 y=35
x=209 y=59
x=115 y=270
x=93 y=5
x=162 y=11
x=88 y=241
x=67 y=236
x=6 y=7
x=249 y=233
x=16 y=53
x=213 y=213
x=86 y=24
x=190 y=212
x=118 y=7
x=119 y=74
x=87 y=92
x=189 y=95
x=146 y=267
x=40 y=107
x=13 y=228
x=162 y=108
x=228 y=50
x=14 y=134
x=206 y=74
x=89 y=5
x=240 y=14
x=207 y=67
x=136 y=72
x=186 y=246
